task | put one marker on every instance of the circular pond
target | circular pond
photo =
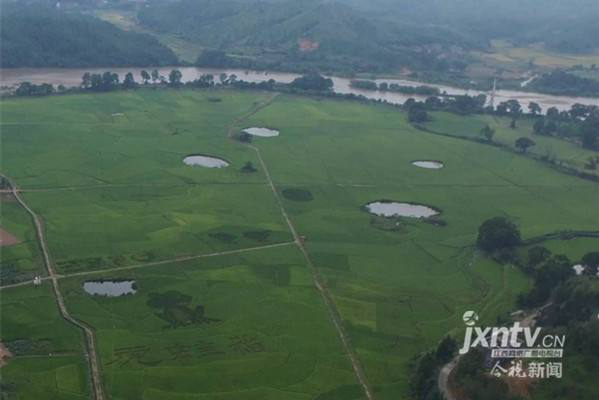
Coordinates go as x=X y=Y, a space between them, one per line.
x=428 y=164
x=110 y=288
x=262 y=132
x=205 y=161
x=396 y=209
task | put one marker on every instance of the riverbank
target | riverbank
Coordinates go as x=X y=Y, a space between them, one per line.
x=9 y=78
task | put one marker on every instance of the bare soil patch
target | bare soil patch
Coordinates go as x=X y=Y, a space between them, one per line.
x=6 y=239
x=5 y=354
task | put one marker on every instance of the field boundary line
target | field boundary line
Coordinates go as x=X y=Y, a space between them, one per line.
x=298 y=240
x=124 y=185
x=175 y=260
x=153 y=263
x=91 y=353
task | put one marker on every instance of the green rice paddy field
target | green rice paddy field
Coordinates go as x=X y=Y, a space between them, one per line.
x=240 y=316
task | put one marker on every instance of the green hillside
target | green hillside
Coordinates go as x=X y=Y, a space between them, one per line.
x=269 y=34
x=43 y=37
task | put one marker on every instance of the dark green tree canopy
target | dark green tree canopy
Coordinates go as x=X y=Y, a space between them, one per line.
x=591 y=259
x=498 y=233
x=314 y=82
x=37 y=36
x=524 y=143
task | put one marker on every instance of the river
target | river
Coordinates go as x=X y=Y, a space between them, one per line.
x=72 y=77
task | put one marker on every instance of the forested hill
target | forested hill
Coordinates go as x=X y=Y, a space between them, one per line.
x=45 y=37
x=289 y=33
x=562 y=25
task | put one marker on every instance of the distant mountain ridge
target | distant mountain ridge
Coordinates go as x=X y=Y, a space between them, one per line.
x=338 y=31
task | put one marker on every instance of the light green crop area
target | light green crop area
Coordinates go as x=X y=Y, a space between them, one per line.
x=105 y=173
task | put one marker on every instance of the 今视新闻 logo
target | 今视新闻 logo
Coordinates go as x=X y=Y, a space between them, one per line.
x=515 y=343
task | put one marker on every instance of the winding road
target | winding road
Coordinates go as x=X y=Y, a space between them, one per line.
x=90 y=340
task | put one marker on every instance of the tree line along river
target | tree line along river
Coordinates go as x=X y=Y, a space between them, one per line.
x=72 y=77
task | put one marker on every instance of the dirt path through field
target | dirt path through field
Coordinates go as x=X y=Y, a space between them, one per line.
x=152 y=264
x=317 y=278
x=91 y=353
x=5 y=354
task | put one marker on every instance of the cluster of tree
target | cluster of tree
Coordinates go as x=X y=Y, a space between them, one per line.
x=524 y=143
x=109 y=81
x=395 y=88
x=474 y=381
x=592 y=163
x=569 y=305
x=339 y=37
x=313 y=82
x=564 y=83
x=580 y=122
x=462 y=105
x=423 y=379
x=563 y=26
x=487 y=133
x=554 y=280
x=498 y=234
x=361 y=36
x=37 y=36
x=417 y=112
x=31 y=89
x=548 y=272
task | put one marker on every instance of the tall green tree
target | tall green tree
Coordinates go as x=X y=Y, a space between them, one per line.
x=86 y=80
x=145 y=76
x=539 y=126
x=155 y=76
x=524 y=143
x=487 y=132
x=129 y=82
x=174 y=78
x=534 y=108
x=498 y=233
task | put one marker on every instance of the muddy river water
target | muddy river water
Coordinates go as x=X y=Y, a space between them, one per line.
x=72 y=77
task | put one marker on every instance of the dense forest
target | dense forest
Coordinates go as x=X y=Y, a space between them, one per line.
x=564 y=83
x=565 y=26
x=352 y=36
x=297 y=35
x=45 y=37
x=369 y=36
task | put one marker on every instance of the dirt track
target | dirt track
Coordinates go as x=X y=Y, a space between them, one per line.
x=318 y=282
x=89 y=334
x=4 y=355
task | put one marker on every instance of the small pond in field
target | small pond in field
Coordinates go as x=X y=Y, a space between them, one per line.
x=110 y=288
x=205 y=161
x=262 y=132
x=428 y=164
x=396 y=209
